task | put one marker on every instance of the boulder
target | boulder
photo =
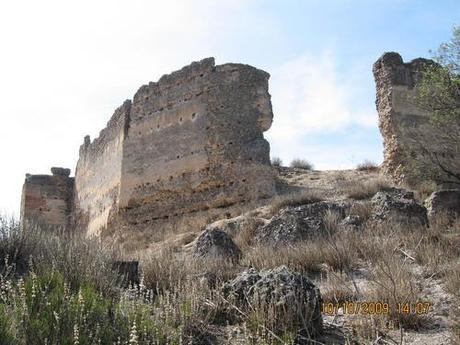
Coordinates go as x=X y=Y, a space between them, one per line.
x=396 y=204
x=295 y=300
x=294 y=224
x=444 y=202
x=216 y=244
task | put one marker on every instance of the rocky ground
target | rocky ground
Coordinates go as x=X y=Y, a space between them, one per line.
x=337 y=257
x=357 y=204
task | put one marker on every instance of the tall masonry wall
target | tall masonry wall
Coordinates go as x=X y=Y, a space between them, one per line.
x=399 y=114
x=186 y=146
x=195 y=142
x=98 y=174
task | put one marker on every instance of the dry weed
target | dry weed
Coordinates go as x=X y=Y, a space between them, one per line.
x=359 y=190
x=295 y=199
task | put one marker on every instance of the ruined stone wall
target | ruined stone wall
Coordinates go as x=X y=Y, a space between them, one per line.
x=98 y=174
x=47 y=199
x=195 y=143
x=399 y=114
x=190 y=144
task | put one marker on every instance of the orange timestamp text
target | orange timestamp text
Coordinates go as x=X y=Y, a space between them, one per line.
x=374 y=308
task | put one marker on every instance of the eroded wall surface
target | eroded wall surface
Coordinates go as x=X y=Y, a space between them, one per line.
x=399 y=113
x=47 y=199
x=195 y=143
x=98 y=174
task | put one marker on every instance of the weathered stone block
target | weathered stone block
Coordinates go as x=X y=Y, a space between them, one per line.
x=444 y=202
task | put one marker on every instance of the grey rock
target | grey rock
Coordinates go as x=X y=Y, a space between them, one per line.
x=216 y=244
x=294 y=224
x=444 y=202
x=396 y=204
x=352 y=221
x=292 y=295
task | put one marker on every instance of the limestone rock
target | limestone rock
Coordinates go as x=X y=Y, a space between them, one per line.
x=294 y=224
x=292 y=295
x=216 y=244
x=399 y=205
x=444 y=201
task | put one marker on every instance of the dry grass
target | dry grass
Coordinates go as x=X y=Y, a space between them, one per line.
x=362 y=209
x=453 y=287
x=423 y=190
x=338 y=288
x=301 y=164
x=295 y=199
x=244 y=238
x=367 y=165
x=395 y=284
x=360 y=190
x=186 y=292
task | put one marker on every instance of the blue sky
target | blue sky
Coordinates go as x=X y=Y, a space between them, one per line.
x=65 y=66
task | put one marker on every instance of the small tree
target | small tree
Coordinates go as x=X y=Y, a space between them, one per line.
x=277 y=161
x=438 y=93
x=301 y=164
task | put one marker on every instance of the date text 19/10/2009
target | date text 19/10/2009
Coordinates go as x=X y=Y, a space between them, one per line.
x=374 y=308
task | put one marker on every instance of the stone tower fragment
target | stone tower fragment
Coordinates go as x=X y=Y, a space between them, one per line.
x=400 y=115
x=47 y=199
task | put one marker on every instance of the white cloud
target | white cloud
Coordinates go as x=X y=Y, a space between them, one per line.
x=65 y=66
x=308 y=99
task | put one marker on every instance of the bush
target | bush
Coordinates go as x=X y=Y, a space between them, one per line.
x=301 y=164
x=277 y=161
x=367 y=165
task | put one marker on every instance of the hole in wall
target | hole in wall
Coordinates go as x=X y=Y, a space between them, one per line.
x=193 y=115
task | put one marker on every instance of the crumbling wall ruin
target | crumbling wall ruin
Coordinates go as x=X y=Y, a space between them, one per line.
x=191 y=143
x=47 y=199
x=400 y=115
x=195 y=142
